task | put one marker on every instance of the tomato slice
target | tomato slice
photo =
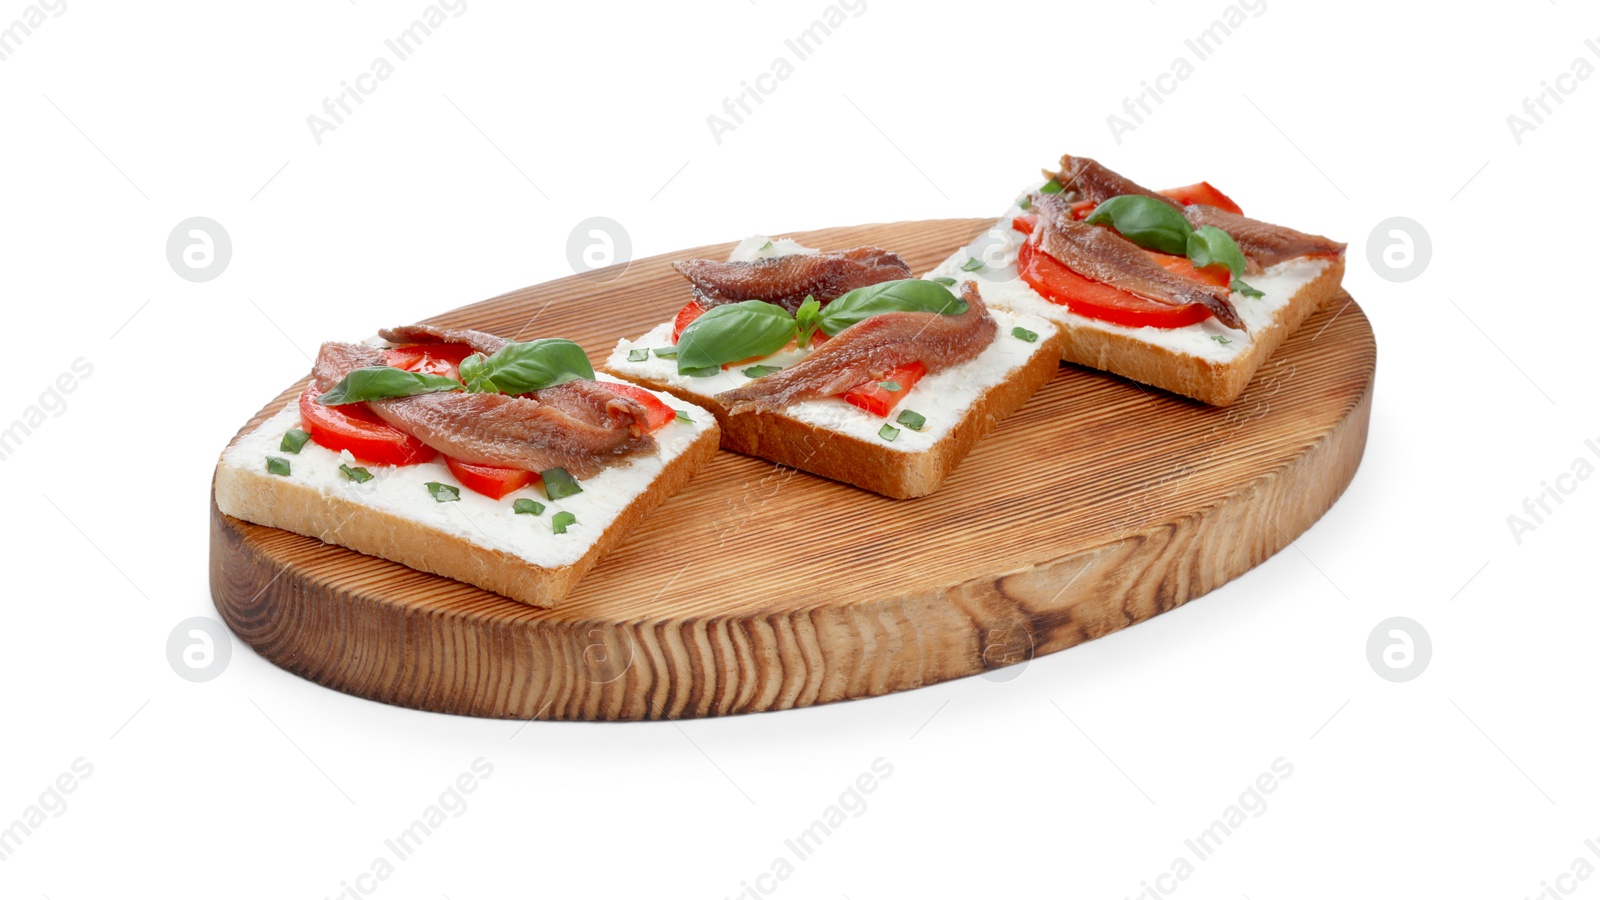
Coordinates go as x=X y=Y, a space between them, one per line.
x=355 y=428
x=1202 y=193
x=657 y=414
x=1055 y=282
x=493 y=482
x=1025 y=224
x=694 y=309
x=434 y=359
x=1217 y=275
x=874 y=398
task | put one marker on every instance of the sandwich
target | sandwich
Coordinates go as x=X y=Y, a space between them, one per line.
x=511 y=466
x=1177 y=289
x=841 y=364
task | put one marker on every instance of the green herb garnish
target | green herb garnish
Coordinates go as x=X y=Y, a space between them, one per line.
x=700 y=371
x=560 y=521
x=666 y=352
x=1050 y=187
x=294 y=440
x=1024 y=334
x=1150 y=223
x=972 y=264
x=759 y=371
x=682 y=415
x=638 y=355
x=766 y=246
x=807 y=319
x=380 y=382
x=443 y=493
x=558 y=483
x=277 y=465
x=1211 y=246
x=1221 y=339
x=731 y=332
x=892 y=387
x=945 y=280
x=358 y=474
x=1239 y=287
x=528 y=507
x=1025 y=203
x=888 y=432
x=907 y=295
x=526 y=367
x=912 y=420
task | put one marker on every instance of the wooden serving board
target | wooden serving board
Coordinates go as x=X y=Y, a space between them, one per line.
x=1099 y=504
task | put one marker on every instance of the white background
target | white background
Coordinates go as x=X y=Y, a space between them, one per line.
x=462 y=176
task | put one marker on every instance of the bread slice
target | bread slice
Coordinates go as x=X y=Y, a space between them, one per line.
x=1206 y=361
x=476 y=540
x=831 y=438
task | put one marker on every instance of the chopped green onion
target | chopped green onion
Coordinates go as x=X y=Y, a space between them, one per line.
x=701 y=372
x=277 y=465
x=1239 y=287
x=767 y=246
x=911 y=419
x=1050 y=187
x=443 y=493
x=682 y=415
x=760 y=371
x=892 y=387
x=1025 y=334
x=560 y=521
x=294 y=440
x=638 y=355
x=1026 y=203
x=888 y=432
x=667 y=352
x=1221 y=339
x=559 y=483
x=972 y=264
x=528 y=507
x=945 y=280
x=358 y=474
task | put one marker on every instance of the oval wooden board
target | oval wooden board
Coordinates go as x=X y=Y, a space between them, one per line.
x=1097 y=505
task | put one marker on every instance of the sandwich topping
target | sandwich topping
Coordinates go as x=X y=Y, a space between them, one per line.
x=787 y=281
x=503 y=414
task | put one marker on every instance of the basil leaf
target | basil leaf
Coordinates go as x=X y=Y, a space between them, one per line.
x=731 y=332
x=666 y=352
x=892 y=387
x=380 y=382
x=638 y=355
x=945 y=280
x=528 y=507
x=888 y=432
x=1146 y=221
x=700 y=371
x=277 y=465
x=1221 y=339
x=807 y=318
x=912 y=419
x=1050 y=187
x=525 y=367
x=443 y=493
x=1025 y=203
x=972 y=264
x=1211 y=246
x=559 y=483
x=560 y=521
x=907 y=295
x=1239 y=287
x=682 y=415
x=358 y=474
x=1024 y=334
x=761 y=371
x=294 y=440
x=766 y=246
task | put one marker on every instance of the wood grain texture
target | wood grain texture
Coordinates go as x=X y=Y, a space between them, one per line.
x=1097 y=505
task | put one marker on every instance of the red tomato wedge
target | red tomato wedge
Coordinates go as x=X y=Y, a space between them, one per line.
x=873 y=397
x=493 y=482
x=1055 y=282
x=657 y=414
x=694 y=309
x=1202 y=193
x=434 y=359
x=1025 y=224
x=1214 y=275
x=355 y=428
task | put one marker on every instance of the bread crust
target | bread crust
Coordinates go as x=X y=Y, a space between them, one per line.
x=788 y=441
x=1209 y=381
x=256 y=496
